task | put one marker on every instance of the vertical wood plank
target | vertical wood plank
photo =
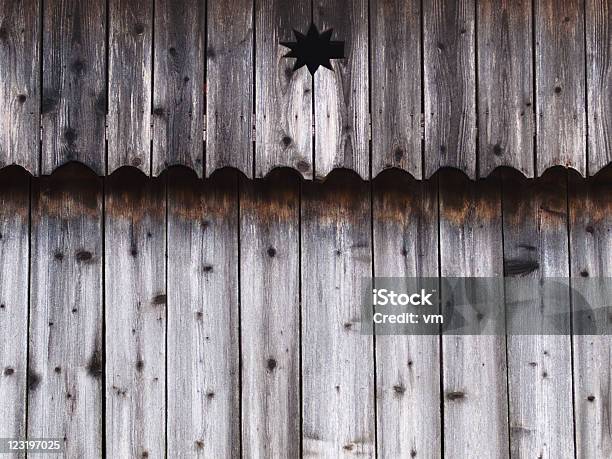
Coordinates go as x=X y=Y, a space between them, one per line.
x=474 y=367
x=342 y=95
x=283 y=109
x=396 y=85
x=450 y=85
x=14 y=253
x=539 y=365
x=135 y=310
x=599 y=82
x=560 y=80
x=229 y=75
x=73 y=110
x=203 y=317
x=338 y=367
x=270 y=316
x=505 y=80
x=130 y=84
x=66 y=354
x=591 y=256
x=407 y=369
x=20 y=84
x=179 y=92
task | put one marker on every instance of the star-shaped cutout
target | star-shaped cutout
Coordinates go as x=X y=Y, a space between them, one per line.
x=314 y=49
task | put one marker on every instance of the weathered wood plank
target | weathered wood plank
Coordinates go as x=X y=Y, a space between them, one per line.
x=337 y=360
x=270 y=316
x=599 y=82
x=591 y=256
x=229 y=76
x=407 y=367
x=135 y=312
x=203 y=318
x=73 y=106
x=66 y=351
x=130 y=84
x=14 y=255
x=342 y=96
x=396 y=85
x=283 y=109
x=179 y=92
x=560 y=80
x=450 y=85
x=20 y=84
x=539 y=365
x=474 y=367
x=505 y=86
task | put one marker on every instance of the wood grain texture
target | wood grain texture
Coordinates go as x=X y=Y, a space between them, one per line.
x=407 y=367
x=599 y=82
x=396 y=85
x=270 y=316
x=337 y=360
x=283 y=110
x=203 y=318
x=66 y=353
x=539 y=365
x=229 y=83
x=20 y=84
x=505 y=86
x=179 y=91
x=73 y=106
x=14 y=269
x=591 y=255
x=135 y=314
x=342 y=96
x=450 y=85
x=474 y=366
x=560 y=84
x=130 y=84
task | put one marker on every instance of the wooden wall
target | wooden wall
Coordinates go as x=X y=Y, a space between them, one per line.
x=220 y=318
x=470 y=84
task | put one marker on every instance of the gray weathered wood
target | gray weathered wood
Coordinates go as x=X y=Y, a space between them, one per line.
x=539 y=365
x=14 y=253
x=135 y=315
x=505 y=86
x=599 y=82
x=407 y=367
x=20 y=84
x=179 y=91
x=66 y=353
x=130 y=83
x=203 y=319
x=396 y=85
x=73 y=106
x=270 y=316
x=229 y=83
x=337 y=360
x=283 y=109
x=591 y=256
x=450 y=85
x=474 y=367
x=560 y=80
x=341 y=96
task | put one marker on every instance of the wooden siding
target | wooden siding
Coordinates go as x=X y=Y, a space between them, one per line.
x=469 y=84
x=220 y=318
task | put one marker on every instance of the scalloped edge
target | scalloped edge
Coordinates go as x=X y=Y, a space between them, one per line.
x=338 y=170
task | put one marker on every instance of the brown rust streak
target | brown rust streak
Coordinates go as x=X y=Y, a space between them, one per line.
x=463 y=200
x=192 y=199
x=270 y=199
x=134 y=197
x=70 y=193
